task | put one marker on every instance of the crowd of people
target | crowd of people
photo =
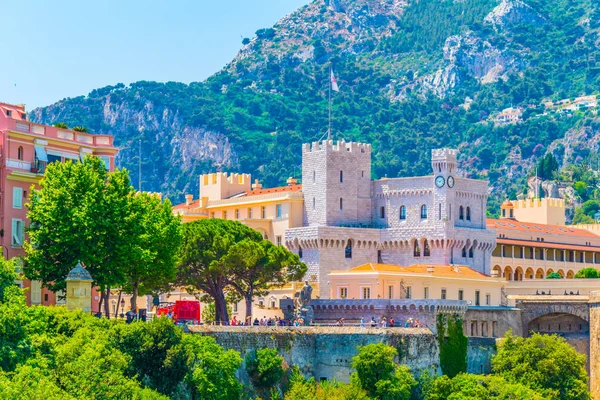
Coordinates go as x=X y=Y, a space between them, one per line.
x=385 y=323
x=264 y=321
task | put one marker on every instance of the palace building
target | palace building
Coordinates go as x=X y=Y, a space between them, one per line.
x=351 y=220
x=26 y=149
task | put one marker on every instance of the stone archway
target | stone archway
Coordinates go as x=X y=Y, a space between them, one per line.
x=529 y=274
x=508 y=273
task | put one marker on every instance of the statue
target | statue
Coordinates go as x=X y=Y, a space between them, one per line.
x=304 y=296
x=304 y=310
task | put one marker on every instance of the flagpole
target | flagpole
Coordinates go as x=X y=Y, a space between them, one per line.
x=330 y=83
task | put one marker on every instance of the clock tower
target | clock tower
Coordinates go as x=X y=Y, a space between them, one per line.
x=443 y=163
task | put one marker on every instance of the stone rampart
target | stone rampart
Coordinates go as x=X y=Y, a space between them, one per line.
x=326 y=352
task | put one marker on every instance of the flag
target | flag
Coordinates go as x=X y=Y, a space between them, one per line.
x=334 y=84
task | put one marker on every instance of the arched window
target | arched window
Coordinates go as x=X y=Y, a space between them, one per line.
x=341 y=176
x=382 y=212
x=464 y=252
x=341 y=203
x=423 y=211
x=402 y=212
x=461 y=213
x=471 y=252
x=299 y=252
x=468 y=213
x=417 y=251
x=426 y=251
x=20 y=153
x=348 y=250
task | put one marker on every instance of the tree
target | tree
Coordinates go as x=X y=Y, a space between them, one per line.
x=587 y=273
x=379 y=376
x=265 y=367
x=80 y=213
x=453 y=344
x=201 y=266
x=7 y=275
x=554 y=275
x=544 y=363
x=246 y=41
x=61 y=125
x=547 y=166
x=478 y=387
x=213 y=370
x=82 y=129
x=155 y=247
x=257 y=265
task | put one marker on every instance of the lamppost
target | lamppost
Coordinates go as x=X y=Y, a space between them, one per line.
x=122 y=308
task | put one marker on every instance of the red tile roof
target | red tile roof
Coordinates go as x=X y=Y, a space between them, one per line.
x=514 y=225
x=547 y=245
x=183 y=206
x=289 y=188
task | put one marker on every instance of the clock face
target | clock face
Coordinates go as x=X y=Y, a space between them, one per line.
x=439 y=181
x=450 y=181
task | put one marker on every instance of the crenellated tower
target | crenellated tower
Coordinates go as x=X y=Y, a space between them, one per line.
x=336 y=182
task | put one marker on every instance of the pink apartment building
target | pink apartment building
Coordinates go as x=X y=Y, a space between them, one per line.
x=25 y=150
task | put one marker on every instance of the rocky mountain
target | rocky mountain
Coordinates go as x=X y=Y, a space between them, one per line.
x=413 y=75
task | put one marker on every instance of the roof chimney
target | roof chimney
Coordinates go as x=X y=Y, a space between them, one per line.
x=494 y=273
x=430 y=269
x=291 y=181
x=256 y=185
x=189 y=198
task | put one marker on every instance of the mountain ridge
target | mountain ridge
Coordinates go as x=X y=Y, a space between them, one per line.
x=414 y=75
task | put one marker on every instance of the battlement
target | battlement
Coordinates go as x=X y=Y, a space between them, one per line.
x=539 y=203
x=221 y=185
x=340 y=145
x=443 y=154
x=540 y=211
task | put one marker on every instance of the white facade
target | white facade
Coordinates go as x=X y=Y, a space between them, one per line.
x=350 y=220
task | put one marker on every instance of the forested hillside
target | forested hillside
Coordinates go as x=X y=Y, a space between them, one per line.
x=413 y=75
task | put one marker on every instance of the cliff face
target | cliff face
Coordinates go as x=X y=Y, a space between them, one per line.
x=413 y=75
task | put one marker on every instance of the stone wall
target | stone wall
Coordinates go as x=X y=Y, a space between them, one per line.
x=492 y=322
x=594 y=349
x=326 y=352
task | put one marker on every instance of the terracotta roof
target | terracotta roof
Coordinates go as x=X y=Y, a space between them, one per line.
x=183 y=206
x=547 y=245
x=511 y=224
x=508 y=203
x=444 y=271
x=289 y=188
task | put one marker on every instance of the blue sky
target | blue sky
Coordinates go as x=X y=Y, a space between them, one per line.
x=66 y=48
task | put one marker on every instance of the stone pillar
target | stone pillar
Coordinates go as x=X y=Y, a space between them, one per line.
x=594 y=307
x=79 y=289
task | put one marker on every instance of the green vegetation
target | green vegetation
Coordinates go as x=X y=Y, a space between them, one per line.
x=554 y=275
x=452 y=343
x=218 y=256
x=587 y=273
x=84 y=213
x=61 y=125
x=546 y=364
x=265 y=367
x=268 y=102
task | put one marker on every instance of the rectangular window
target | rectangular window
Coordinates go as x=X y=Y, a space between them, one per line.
x=343 y=293
x=379 y=257
x=278 y=211
x=278 y=240
x=224 y=214
x=341 y=176
x=105 y=160
x=461 y=294
x=235 y=307
x=249 y=213
x=425 y=293
x=212 y=214
x=366 y=292
x=17 y=233
x=263 y=212
x=8 y=113
x=36 y=292
x=477 y=295
x=443 y=294
x=382 y=212
x=409 y=292
x=17 y=197
x=390 y=292
x=488 y=299
x=237 y=214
